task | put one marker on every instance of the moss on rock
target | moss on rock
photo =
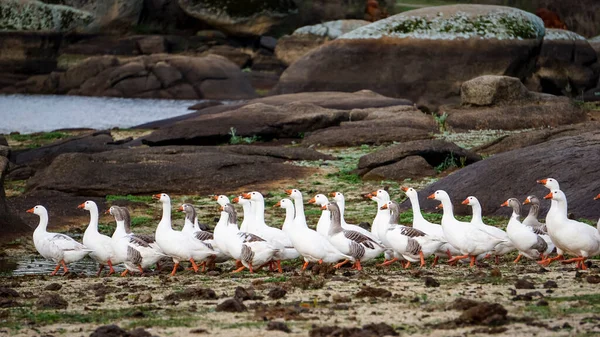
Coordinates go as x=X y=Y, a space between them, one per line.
x=245 y=8
x=38 y=16
x=457 y=21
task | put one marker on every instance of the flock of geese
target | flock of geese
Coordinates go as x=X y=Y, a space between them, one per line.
x=254 y=244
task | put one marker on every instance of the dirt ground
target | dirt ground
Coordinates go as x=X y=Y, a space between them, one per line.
x=558 y=301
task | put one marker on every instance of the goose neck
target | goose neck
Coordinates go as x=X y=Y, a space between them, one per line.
x=416 y=208
x=300 y=217
x=43 y=224
x=336 y=222
x=448 y=211
x=165 y=221
x=476 y=218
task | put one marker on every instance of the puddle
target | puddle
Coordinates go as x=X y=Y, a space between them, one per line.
x=32 y=265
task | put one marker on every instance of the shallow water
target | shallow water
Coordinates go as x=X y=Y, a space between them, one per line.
x=36 y=113
x=37 y=265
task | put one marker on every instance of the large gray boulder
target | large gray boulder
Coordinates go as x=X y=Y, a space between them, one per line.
x=423 y=55
x=570 y=160
x=9 y=222
x=34 y=15
x=174 y=169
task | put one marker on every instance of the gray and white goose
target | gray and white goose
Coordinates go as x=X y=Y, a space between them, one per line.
x=532 y=221
x=352 y=243
x=525 y=238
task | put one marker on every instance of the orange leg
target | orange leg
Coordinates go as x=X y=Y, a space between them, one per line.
x=175 y=268
x=435 y=260
x=321 y=261
x=141 y=269
x=518 y=258
x=449 y=254
x=547 y=261
x=407 y=265
x=239 y=269
x=357 y=265
x=497 y=259
x=339 y=265
x=279 y=266
x=112 y=270
x=55 y=269
x=580 y=262
x=203 y=266
x=388 y=262
x=194 y=265
x=422 y=259
x=304 y=265
x=473 y=261
x=100 y=270
x=250 y=267
x=238 y=263
x=64 y=267
x=124 y=273
x=456 y=258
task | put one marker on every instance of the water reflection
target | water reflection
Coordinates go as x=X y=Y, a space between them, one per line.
x=31 y=265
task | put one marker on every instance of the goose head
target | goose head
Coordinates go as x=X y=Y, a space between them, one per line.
x=284 y=203
x=294 y=193
x=391 y=205
x=337 y=196
x=162 y=197
x=230 y=211
x=38 y=210
x=409 y=191
x=557 y=195
x=116 y=212
x=239 y=200
x=514 y=204
x=319 y=199
x=253 y=196
x=550 y=183
x=331 y=206
x=221 y=199
x=381 y=195
x=532 y=199
x=439 y=195
x=597 y=197
x=470 y=200
x=88 y=205
x=189 y=210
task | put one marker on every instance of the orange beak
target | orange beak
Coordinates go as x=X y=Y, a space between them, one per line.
x=29 y=210
x=384 y=206
x=597 y=197
x=215 y=197
x=156 y=196
x=81 y=206
x=324 y=207
x=374 y=193
x=107 y=211
x=465 y=202
x=405 y=189
x=278 y=204
x=440 y=206
x=526 y=201
x=222 y=208
x=504 y=204
x=332 y=194
x=432 y=196
x=247 y=195
x=288 y=192
x=548 y=196
x=542 y=181
x=368 y=196
x=180 y=208
x=236 y=200
x=312 y=201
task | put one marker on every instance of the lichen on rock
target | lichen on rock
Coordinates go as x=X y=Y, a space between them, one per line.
x=561 y=34
x=331 y=29
x=38 y=16
x=456 y=21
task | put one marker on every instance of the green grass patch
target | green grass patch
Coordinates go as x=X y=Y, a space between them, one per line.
x=129 y=197
x=276 y=279
x=35 y=140
x=141 y=221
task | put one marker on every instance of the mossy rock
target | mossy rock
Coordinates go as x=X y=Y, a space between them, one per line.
x=38 y=16
x=240 y=17
x=455 y=22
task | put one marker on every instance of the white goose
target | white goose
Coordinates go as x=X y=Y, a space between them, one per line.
x=325 y=218
x=552 y=221
x=572 y=236
x=470 y=240
x=435 y=230
x=251 y=250
x=382 y=217
x=248 y=220
x=352 y=243
x=299 y=216
x=532 y=221
x=341 y=203
x=174 y=243
x=136 y=251
x=275 y=236
x=57 y=247
x=524 y=238
x=204 y=253
x=413 y=244
x=501 y=248
x=311 y=245
x=101 y=244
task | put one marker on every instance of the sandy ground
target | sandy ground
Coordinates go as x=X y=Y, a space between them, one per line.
x=413 y=309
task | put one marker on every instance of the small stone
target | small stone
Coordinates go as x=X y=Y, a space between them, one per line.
x=593 y=279
x=337 y=298
x=198 y=331
x=53 y=287
x=542 y=303
x=277 y=293
x=51 y=301
x=8 y=292
x=524 y=284
x=231 y=305
x=550 y=284
x=380 y=329
x=144 y=298
x=496 y=272
x=244 y=294
x=280 y=326
x=139 y=332
x=367 y=291
x=109 y=331
x=430 y=282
